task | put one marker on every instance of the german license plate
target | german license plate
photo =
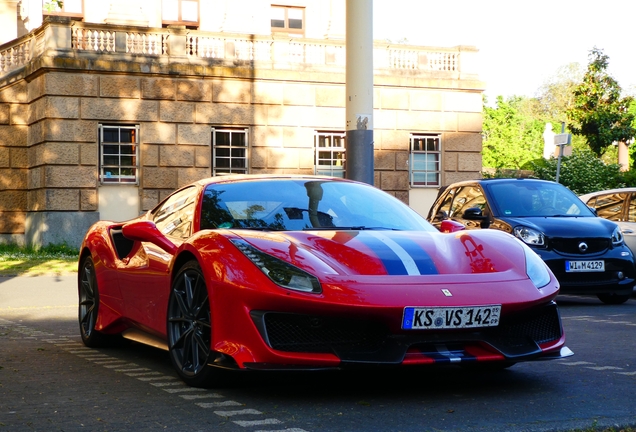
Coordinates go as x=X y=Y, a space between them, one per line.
x=419 y=318
x=585 y=266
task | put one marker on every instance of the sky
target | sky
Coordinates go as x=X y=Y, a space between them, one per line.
x=521 y=43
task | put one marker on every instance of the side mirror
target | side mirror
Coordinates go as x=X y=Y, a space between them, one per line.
x=451 y=226
x=473 y=213
x=593 y=210
x=441 y=215
x=146 y=231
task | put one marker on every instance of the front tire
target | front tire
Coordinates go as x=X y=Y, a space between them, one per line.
x=614 y=299
x=190 y=327
x=89 y=305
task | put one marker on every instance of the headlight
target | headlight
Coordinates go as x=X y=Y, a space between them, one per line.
x=536 y=269
x=280 y=272
x=529 y=236
x=617 y=237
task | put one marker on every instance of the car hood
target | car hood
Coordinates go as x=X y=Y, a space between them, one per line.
x=383 y=252
x=566 y=226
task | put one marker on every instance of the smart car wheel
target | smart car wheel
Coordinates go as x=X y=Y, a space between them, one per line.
x=89 y=305
x=614 y=299
x=190 y=327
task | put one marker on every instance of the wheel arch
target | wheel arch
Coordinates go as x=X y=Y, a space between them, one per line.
x=181 y=259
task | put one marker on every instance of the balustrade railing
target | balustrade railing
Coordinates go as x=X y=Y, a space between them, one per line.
x=278 y=52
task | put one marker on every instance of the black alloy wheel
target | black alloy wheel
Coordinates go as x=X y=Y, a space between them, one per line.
x=190 y=327
x=89 y=305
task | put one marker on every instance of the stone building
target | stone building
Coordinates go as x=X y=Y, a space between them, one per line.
x=106 y=107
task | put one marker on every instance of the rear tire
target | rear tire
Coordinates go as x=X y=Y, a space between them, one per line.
x=614 y=299
x=189 y=329
x=89 y=305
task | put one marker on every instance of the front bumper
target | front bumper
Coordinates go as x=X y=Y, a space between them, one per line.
x=619 y=276
x=525 y=336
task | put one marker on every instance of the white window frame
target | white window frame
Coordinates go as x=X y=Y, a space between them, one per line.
x=286 y=29
x=117 y=151
x=329 y=159
x=232 y=155
x=179 y=8
x=425 y=160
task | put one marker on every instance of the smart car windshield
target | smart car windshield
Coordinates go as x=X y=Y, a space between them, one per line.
x=528 y=199
x=305 y=205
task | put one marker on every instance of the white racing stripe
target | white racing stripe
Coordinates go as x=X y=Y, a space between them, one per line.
x=407 y=260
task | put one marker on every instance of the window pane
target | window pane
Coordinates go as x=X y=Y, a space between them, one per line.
x=425 y=160
x=127 y=161
x=238 y=152
x=238 y=163
x=278 y=17
x=127 y=135
x=222 y=152
x=295 y=24
x=170 y=10
x=110 y=149
x=111 y=172
x=222 y=138
x=190 y=11
x=222 y=163
x=73 y=6
x=127 y=149
x=111 y=135
x=238 y=139
x=111 y=160
x=118 y=162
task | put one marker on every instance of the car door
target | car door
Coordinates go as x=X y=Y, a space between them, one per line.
x=455 y=203
x=145 y=280
x=628 y=225
x=442 y=208
x=466 y=199
x=619 y=207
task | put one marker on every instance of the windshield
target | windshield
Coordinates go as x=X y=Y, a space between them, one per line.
x=527 y=199
x=305 y=205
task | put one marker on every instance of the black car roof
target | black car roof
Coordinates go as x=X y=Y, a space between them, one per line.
x=497 y=180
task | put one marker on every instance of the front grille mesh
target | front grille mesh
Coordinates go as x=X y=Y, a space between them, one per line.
x=313 y=334
x=571 y=246
x=541 y=328
x=304 y=333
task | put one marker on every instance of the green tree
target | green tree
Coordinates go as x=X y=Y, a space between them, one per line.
x=582 y=172
x=599 y=113
x=512 y=135
x=556 y=95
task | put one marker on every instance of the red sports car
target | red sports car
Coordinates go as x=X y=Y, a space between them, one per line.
x=304 y=272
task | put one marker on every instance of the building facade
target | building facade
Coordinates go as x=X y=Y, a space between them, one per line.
x=107 y=107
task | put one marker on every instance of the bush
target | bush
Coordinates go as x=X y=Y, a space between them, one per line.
x=582 y=172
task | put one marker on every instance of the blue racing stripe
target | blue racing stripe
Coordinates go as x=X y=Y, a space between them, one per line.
x=422 y=259
x=392 y=262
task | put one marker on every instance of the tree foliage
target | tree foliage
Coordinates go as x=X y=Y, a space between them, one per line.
x=512 y=135
x=582 y=172
x=599 y=113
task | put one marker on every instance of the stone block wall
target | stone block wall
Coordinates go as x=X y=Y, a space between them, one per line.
x=49 y=129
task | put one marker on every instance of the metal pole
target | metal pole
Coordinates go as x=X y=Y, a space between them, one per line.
x=359 y=91
x=560 y=154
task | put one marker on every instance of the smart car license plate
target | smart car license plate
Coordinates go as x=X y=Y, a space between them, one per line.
x=418 y=318
x=585 y=266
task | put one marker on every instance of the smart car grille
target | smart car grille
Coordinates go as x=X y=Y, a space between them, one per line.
x=303 y=333
x=571 y=246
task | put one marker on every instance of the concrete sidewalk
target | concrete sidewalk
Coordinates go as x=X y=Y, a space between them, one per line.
x=32 y=292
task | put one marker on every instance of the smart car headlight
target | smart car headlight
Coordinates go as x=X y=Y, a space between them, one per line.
x=529 y=236
x=280 y=272
x=536 y=269
x=617 y=237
